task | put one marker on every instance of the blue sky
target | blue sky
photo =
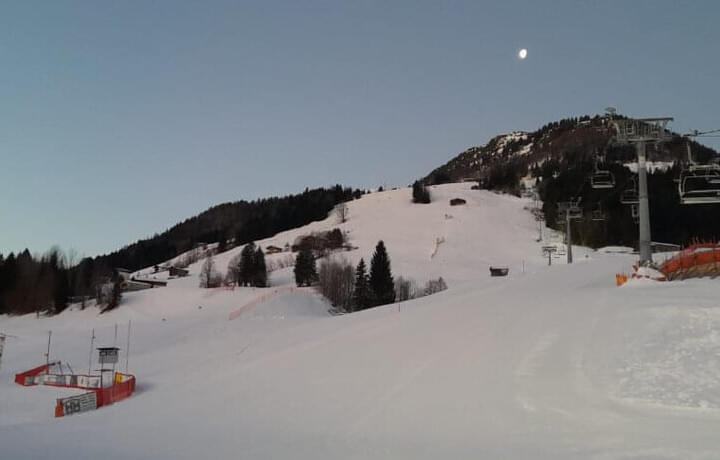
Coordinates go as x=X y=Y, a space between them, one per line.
x=119 y=119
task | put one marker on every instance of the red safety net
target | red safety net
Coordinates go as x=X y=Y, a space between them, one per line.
x=21 y=379
x=698 y=260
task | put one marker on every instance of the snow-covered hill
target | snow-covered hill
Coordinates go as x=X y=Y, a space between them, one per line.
x=550 y=362
x=427 y=241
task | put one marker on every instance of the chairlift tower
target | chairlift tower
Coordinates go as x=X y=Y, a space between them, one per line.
x=640 y=131
x=572 y=211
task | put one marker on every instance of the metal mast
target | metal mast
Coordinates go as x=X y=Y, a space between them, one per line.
x=572 y=211
x=640 y=131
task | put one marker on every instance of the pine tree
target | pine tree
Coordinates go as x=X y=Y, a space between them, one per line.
x=362 y=297
x=305 y=268
x=381 y=280
x=247 y=265
x=222 y=244
x=420 y=193
x=61 y=290
x=259 y=278
x=116 y=292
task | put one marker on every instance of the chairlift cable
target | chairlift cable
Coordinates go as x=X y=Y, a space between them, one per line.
x=708 y=132
x=697 y=133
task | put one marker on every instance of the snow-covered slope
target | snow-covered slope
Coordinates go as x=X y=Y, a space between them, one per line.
x=425 y=241
x=555 y=362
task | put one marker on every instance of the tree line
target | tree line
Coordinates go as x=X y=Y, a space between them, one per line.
x=49 y=282
x=671 y=222
x=233 y=224
x=351 y=289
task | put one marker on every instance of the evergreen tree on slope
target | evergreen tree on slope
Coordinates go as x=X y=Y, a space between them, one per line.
x=246 y=267
x=362 y=297
x=259 y=278
x=381 y=279
x=305 y=269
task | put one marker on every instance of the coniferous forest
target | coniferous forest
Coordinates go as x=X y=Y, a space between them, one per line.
x=671 y=222
x=562 y=156
x=47 y=283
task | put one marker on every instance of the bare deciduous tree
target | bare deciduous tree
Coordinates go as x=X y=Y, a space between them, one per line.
x=342 y=211
x=336 y=281
x=433 y=286
x=405 y=289
x=209 y=277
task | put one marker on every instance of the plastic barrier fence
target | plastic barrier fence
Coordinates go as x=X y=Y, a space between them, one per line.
x=28 y=378
x=89 y=382
x=122 y=387
x=119 y=387
x=695 y=261
x=76 y=404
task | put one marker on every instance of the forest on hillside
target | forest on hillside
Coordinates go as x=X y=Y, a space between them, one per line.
x=568 y=178
x=46 y=283
x=562 y=156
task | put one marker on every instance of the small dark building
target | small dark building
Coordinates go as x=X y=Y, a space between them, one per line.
x=272 y=250
x=499 y=271
x=175 y=271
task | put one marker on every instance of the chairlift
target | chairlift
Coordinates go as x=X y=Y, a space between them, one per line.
x=630 y=194
x=635 y=213
x=574 y=211
x=562 y=207
x=601 y=178
x=699 y=184
x=569 y=209
x=597 y=215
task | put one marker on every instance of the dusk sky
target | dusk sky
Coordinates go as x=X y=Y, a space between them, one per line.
x=120 y=118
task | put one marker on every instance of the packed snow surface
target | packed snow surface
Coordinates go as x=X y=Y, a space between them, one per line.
x=549 y=362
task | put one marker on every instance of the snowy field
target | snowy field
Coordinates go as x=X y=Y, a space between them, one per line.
x=551 y=362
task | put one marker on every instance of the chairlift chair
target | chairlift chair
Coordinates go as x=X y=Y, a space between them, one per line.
x=635 y=213
x=700 y=184
x=597 y=215
x=602 y=179
x=562 y=207
x=574 y=211
x=630 y=194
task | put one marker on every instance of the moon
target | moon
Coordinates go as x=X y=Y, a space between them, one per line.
x=522 y=54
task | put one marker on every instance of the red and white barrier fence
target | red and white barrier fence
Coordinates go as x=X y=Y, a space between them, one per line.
x=120 y=387
x=30 y=377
